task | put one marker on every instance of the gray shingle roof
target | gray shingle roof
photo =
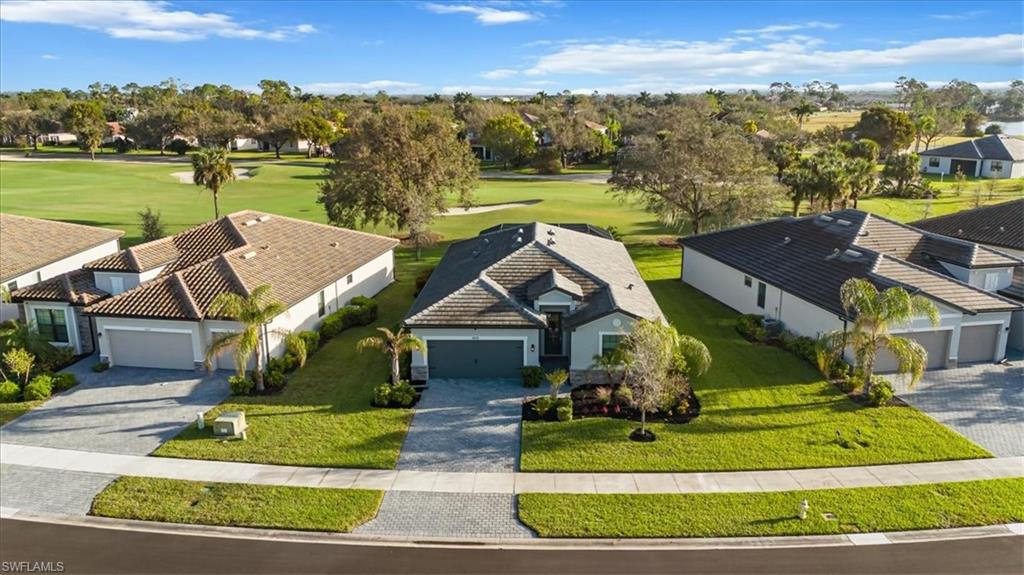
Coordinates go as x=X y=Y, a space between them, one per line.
x=997 y=225
x=513 y=258
x=811 y=257
x=995 y=147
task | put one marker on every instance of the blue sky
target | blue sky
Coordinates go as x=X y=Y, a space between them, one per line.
x=508 y=47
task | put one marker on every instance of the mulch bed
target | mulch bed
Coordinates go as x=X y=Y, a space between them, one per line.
x=856 y=397
x=671 y=243
x=584 y=406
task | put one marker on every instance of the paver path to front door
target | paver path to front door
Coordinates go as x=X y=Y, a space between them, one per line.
x=465 y=425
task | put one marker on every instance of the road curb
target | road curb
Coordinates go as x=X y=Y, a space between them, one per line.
x=778 y=542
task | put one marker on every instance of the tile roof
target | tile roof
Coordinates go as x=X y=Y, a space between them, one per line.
x=75 y=287
x=31 y=243
x=179 y=251
x=995 y=147
x=998 y=225
x=509 y=260
x=812 y=256
x=237 y=253
x=552 y=280
x=925 y=248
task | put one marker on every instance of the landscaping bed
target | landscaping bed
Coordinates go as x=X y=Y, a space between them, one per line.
x=858 y=510
x=237 y=504
x=587 y=403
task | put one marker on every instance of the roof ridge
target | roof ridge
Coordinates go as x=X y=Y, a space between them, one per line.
x=490 y=284
x=318 y=224
x=183 y=288
x=949 y=278
x=234 y=273
x=929 y=234
x=155 y=281
x=133 y=260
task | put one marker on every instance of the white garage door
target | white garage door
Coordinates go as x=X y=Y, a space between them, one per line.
x=936 y=343
x=978 y=343
x=150 y=349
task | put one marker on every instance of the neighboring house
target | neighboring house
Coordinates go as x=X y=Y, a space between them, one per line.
x=149 y=305
x=253 y=144
x=115 y=131
x=599 y=128
x=240 y=144
x=481 y=151
x=988 y=157
x=1000 y=227
x=791 y=269
x=527 y=294
x=33 y=250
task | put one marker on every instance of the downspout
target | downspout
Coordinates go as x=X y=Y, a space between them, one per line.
x=266 y=346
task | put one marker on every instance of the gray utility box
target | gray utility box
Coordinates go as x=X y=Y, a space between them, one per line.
x=230 y=423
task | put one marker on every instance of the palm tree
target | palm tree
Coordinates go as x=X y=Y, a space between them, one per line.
x=393 y=344
x=923 y=125
x=862 y=179
x=211 y=168
x=254 y=312
x=611 y=363
x=801 y=111
x=874 y=314
x=16 y=334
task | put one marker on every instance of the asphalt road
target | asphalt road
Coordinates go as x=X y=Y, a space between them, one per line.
x=86 y=549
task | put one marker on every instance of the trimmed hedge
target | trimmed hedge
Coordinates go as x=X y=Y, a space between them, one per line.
x=9 y=392
x=359 y=311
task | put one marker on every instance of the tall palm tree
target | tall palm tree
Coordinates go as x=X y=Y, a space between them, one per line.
x=254 y=312
x=862 y=179
x=801 y=111
x=211 y=168
x=875 y=313
x=923 y=125
x=393 y=344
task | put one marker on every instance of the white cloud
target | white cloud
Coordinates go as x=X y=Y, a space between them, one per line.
x=485 y=15
x=491 y=90
x=725 y=58
x=499 y=74
x=142 y=20
x=50 y=57
x=391 y=86
x=969 y=15
x=777 y=28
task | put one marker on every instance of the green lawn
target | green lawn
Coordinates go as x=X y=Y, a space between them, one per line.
x=762 y=408
x=9 y=411
x=236 y=504
x=862 y=510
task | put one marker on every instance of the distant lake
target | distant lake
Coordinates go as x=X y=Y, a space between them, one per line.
x=1009 y=128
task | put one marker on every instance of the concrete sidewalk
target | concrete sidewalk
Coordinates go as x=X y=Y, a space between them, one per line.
x=487 y=482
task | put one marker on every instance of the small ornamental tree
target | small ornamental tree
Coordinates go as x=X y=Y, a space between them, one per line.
x=556 y=379
x=152 y=227
x=19 y=362
x=509 y=137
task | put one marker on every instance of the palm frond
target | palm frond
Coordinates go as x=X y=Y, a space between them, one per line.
x=924 y=306
x=296 y=346
x=858 y=295
x=911 y=357
x=219 y=345
x=372 y=342
x=828 y=350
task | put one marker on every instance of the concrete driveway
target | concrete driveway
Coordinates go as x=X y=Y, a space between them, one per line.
x=984 y=403
x=124 y=410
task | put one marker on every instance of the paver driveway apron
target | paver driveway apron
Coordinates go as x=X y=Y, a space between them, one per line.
x=124 y=410
x=983 y=402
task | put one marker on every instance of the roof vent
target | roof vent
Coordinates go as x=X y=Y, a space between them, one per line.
x=786 y=240
x=1002 y=229
x=852 y=254
x=630 y=286
x=846 y=223
x=864 y=233
x=263 y=218
x=250 y=223
x=520 y=230
x=959 y=232
x=487 y=241
x=335 y=244
x=248 y=255
x=265 y=247
x=519 y=239
x=833 y=255
x=476 y=253
x=551 y=232
x=551 y=241
x=825 y=218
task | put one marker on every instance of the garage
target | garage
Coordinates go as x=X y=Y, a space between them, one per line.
x=978 y=343
x=936 y=343
x=479 y=358
x=162 y=350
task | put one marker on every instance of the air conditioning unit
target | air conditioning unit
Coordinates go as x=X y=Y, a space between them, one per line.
x=230 y=423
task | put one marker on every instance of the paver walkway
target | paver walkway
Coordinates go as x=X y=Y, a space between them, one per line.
x=984 y=403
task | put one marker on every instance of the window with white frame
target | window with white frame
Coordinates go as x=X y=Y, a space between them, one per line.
x=996 y=167
x=933 y=162
x=52 y=324
x=748 y=281
x=321 y=304
x=348 y=279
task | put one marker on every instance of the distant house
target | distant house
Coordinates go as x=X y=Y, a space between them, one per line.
x=150 y=305
x=115 y=132
x=993 y=156
x=599 y=128
x=33 y=250
x=792 y=269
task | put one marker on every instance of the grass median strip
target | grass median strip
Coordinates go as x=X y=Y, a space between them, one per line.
x=861 y=510
x=237 y=504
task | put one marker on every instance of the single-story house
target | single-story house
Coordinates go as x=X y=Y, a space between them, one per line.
x=995 y=156
x=791 y=270
x=999 y=227
x=527 y=294
x=33 y=250
x=149 y=305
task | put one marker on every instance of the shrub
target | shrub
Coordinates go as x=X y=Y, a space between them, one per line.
x=751 y=328
x=850 y=384
x=543 y=405
x=60 y=357
x=804 y=347
x=311 y=339
x=41 y=387
x=179 y=146
x=839 y=370
x=623 y=396
x=564 y=412
x=421 y=280
x=9 y=391
x=382 y=395
x=881 y=392
x=533 y=375
x=100 y=367
x=403 y=394
x=547 y=160
x=603 y=395
x=285 y=364
x=274 y=379
x=360 y=311
x=240 y=384
x=123 y=145
x=64 y=381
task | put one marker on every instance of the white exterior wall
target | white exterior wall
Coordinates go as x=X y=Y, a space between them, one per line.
x=106 y=324
x=1016 y=169
x=70 y=263
x=586 y=339
x=1004 y=277
x=130 y=279
x=1006 y=172
x=530 y=338
x=555 y=298
x=804 y=318
x=71 y=316
x=943 y=167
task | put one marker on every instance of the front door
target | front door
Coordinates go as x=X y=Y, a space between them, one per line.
x=553 y=334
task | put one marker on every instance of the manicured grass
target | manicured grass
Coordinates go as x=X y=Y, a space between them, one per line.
x=762 y=408
x=323 y=417
x=819 y=120
x=862 y=510
x=905 y=210
x=236 y=504
x=9 y=411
